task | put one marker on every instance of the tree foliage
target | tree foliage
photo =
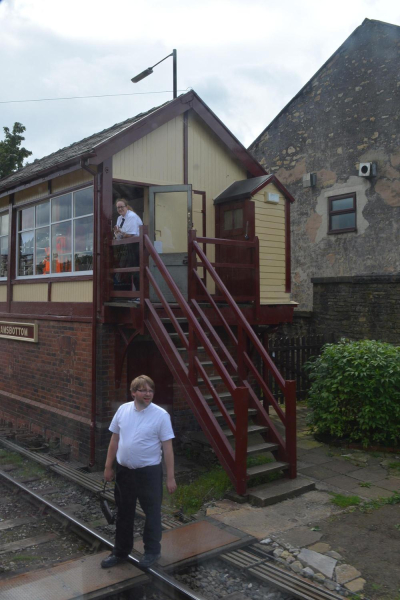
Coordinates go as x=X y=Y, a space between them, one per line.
x=355 y=392
x=12 y=155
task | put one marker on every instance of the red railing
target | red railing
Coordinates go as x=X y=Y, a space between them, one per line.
x=205 y=336
x=245 y=339
x=112 y=293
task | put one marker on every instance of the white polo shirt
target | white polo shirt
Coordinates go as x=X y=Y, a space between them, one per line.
x=140 y=434
x=131 y=224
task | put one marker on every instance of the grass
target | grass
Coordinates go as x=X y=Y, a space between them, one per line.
x=395 y=466
x=212 y=485
x=365 y=484
x=24 y=557
x=345 y=501
x=8 y=458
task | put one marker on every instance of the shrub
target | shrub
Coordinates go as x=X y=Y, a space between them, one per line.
x=355 y=392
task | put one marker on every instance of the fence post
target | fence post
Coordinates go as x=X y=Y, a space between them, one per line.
x=191 y=356
x=290 y=427
x=241 y=405
x=241 y=348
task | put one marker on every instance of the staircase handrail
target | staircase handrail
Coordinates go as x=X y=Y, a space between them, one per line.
x=239 y=316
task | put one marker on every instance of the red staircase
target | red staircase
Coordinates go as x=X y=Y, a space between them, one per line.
x=215 y=375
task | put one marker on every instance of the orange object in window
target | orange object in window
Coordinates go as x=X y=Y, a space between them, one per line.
x=46 y=261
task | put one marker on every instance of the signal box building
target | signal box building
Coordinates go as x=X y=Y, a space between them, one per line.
x=214 y=275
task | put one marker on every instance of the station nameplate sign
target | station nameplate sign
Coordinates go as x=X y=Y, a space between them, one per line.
x=24 y=332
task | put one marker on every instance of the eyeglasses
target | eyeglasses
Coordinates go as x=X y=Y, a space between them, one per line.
x=119 y=207
x=144 y=391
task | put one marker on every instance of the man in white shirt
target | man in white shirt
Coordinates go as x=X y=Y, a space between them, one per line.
x=140 y=429
x=128 y=224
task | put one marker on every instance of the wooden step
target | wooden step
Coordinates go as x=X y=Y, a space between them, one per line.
x=267 y=468
x=260 y=448
x=252 y=412
x=251 y=430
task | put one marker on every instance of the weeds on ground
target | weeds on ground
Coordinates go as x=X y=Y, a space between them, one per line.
x=379 y=502
x=7 y=457
x=395 y=466
x=24 y=557
x=345 y=501
x=366 y=484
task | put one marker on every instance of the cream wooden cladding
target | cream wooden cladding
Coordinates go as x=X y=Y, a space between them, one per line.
x=74 y=291
x=3 y=293
x=157 y=158
x=30 y=292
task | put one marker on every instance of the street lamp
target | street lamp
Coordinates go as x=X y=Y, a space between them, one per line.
x=149 y=71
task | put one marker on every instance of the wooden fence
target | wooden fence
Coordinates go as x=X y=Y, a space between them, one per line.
x=290 y=354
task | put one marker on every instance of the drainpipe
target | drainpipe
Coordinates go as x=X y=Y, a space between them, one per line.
x=93 y=410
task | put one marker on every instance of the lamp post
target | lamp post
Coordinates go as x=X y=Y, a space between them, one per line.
x=149 y=71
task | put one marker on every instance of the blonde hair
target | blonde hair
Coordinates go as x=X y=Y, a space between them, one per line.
x=142 y=380
x=125 y=202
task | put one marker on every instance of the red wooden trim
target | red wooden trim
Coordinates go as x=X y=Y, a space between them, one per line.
x=134 y=183
x=49 y=292
x=273 y=179
x=104 y=223
x=224 y=242
x=68 y=190
x=241 y=406
x=288 y=266
x=38 y=279
x=45 y=175
x=257 y=290
x=12 y=247
x=234 y=265
x=133 y=239
x=290 y=401
x=49 y=310
x=186 y=147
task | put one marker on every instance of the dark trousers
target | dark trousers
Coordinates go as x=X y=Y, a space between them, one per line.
x=144 y=485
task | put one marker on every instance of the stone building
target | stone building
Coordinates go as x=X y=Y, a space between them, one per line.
x=336 y=147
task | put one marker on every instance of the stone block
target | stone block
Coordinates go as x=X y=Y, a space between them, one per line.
x=321 y=563
x=321 y=547
x=345 y=573
x=357 y=585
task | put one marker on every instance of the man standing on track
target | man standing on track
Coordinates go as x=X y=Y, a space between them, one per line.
x=139 y=430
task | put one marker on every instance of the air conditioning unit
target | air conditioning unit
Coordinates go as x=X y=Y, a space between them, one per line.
x=309 y=180
x=367 y=170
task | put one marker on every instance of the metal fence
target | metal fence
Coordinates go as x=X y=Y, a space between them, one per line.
x=290 y=354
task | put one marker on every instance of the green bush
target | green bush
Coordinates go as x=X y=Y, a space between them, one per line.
x=355 y=392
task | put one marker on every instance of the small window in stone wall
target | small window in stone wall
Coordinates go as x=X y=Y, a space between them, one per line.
x=342 y=213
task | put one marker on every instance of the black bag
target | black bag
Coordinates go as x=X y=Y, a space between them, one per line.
x=105 y=509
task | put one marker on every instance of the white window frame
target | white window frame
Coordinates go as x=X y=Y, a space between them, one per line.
x=51 y=223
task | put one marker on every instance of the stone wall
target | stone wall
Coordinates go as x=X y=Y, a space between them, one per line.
x=348 y=113
x=358 y=307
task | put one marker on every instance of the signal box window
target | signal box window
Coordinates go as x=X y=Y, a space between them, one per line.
x=342 y=213
x=3 y=245
x=56 y=236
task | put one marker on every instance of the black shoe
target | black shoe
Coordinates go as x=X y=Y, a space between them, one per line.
x=148 y=560
x=112 y=560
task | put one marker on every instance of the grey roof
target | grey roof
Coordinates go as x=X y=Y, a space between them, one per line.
x=71 y=153
x=240 y=190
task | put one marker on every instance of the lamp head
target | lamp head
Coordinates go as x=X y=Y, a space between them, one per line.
x=142 y=75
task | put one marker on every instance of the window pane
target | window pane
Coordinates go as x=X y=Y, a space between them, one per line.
x=346 y=221
x=342 y=204
x=238 y=218
x=228 y=220
x=61 y=247
x=84 y=244
x=83 y=202
x=61 y=208
x=4 y=225
x=42 y=258
x=43 y=214
x=26 y=218
x=25 y=263
x=3 y=256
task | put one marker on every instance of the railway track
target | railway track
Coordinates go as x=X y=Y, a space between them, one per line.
x=75 y=512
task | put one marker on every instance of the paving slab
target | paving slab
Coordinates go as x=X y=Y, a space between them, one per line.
x=389 y=483
x=357 y=585
x=346 y=573
x=319 y=471
x=265 y=495
x=298 y=537
x=191 y=540
x=368 y=474
x=344 y=483
x=341 y=466
x=319 y=562
x=374 y=492
x=320 y=547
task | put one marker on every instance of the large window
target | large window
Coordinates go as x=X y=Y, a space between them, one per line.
x=56 y=236
x=3 y=245
x=342 y=213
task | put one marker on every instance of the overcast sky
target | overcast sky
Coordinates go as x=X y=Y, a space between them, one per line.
x=245 y=58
